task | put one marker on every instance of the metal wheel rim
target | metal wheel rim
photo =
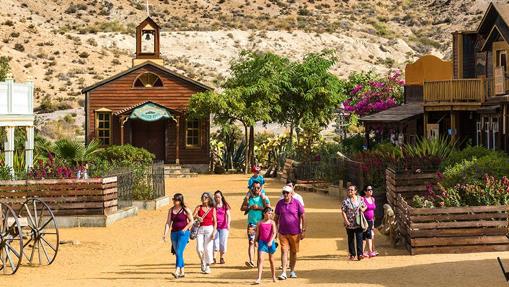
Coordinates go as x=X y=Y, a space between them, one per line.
x=11 y=241
x=41 y=248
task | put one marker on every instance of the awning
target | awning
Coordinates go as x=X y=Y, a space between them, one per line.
x=150 y=112
x=396 y=114
x=488 y=109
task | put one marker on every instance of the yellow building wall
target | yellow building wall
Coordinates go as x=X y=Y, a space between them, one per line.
x=428 y=68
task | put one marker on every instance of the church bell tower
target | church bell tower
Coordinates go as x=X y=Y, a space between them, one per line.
x=147 y=42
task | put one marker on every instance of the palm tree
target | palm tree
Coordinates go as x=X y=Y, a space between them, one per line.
x=73 y=152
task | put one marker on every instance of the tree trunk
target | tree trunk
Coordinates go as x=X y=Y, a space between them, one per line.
x=251 y=146
x=292 y=126
x=246 y=139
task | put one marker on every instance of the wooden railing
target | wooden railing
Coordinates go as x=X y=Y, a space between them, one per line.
x=459 y=91
x=456 y=91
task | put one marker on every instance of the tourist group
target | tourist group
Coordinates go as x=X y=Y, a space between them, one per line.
x=209 y=223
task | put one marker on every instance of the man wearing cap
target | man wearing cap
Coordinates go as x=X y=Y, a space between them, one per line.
x=289 y=219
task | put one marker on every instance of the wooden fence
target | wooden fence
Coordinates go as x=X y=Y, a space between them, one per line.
x=407 y=185
x=453 y=229
x=96 y=196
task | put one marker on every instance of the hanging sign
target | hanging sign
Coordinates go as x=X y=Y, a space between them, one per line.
x=150 y=112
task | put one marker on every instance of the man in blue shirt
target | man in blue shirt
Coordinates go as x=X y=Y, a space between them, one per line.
x=253 y=204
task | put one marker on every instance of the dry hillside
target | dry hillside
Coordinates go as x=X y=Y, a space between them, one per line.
x=67 y=45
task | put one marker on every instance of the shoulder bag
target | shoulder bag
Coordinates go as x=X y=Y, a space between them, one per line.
x=196 y=225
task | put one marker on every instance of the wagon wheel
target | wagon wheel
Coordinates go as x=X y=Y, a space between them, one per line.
x=11 y=241
x=41 y=248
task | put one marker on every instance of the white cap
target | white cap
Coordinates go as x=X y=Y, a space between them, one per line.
x=287 y=188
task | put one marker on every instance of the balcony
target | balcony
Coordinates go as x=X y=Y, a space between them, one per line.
x=459 y=94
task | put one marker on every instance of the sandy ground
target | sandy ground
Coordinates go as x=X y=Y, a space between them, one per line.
x=131 y=252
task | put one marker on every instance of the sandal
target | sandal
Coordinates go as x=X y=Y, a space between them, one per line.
x=282 y=277
x=250 y=264
x=221 y=261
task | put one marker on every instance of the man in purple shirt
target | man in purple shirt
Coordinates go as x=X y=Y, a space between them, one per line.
x=289 y=219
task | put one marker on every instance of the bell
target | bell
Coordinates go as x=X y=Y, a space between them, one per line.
x=147 y=36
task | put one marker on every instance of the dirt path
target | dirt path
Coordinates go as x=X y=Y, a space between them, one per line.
x=131 y=253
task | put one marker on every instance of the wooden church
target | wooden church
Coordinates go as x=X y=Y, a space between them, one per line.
x=146 y=106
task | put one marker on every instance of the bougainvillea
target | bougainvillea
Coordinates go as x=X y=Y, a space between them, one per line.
x=373 y=94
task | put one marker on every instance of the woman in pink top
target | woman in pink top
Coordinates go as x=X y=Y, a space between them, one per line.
x=369 y=213
x=223 y=225
x=266 y=231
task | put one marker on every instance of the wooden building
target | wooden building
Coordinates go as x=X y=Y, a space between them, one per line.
x=474 y=104
x=146 y=106
x=405 y=123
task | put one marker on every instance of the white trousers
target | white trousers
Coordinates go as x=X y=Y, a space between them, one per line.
x=221 y=240
x=205 y=244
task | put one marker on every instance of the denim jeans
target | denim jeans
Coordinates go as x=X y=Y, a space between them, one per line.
x=221 y=240
x=179 y=240
x=356 y=245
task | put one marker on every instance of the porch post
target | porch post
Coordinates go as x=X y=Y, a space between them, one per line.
x=123 y=120
x=425 y=128
x=454 y=131
x=9 y=149
x=29 y=147
x=177 y=155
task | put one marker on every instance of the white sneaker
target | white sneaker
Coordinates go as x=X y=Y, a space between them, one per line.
x=207 y=270
x=293 y=274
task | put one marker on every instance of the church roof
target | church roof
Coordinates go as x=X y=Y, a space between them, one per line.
x=147 y=63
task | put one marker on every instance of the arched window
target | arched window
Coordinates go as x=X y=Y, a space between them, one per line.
x=148 y=80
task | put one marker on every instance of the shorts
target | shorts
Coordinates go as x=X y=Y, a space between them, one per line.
x=264 y=247
x=290 y=241
x=251 y=232
x=368 y=234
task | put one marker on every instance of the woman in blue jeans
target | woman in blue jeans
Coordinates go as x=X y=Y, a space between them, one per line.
x=180 y=219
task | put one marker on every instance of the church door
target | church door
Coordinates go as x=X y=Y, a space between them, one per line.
x=150 y=136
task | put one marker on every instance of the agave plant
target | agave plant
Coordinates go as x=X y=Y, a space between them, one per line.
x=438 y=147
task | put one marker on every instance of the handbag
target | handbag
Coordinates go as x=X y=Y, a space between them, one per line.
x=196 y=225
x=360 y=219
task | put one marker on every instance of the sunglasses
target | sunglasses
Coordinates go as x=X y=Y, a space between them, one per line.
x=175 y=199
x=369 y=189
x=286 y=192
x=256 y=188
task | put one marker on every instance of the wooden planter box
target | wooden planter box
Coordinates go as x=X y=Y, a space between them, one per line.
x=65 y=197
x=453 y=229
x=406 y=185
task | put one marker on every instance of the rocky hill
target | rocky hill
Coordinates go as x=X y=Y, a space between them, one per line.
x=67 y=45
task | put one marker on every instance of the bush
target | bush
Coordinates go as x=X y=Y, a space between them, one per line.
x=467 y=153
x=472 y=171
x=124 y=156
x=5 y=173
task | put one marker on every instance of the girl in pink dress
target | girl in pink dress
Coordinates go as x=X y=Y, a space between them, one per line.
x=266 y=231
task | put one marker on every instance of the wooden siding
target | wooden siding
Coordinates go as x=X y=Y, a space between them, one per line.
x=469 y=56
x=175 y=94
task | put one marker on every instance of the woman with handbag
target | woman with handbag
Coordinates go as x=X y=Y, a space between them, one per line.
x=353 y=208
x=369 y=214
x=180 y=221
x=205 y=215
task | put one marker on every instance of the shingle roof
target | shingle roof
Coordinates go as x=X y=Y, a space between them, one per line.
x=396 y=114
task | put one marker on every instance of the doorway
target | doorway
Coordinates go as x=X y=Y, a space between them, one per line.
x=150 y=136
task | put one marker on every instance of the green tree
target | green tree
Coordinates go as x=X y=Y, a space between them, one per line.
x=4 y=67
x=73 y=152
x=250 y=95
x=311 y=95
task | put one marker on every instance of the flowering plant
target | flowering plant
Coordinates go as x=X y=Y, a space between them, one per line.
x=371 y=94
x=491 y=191
x=50 y=169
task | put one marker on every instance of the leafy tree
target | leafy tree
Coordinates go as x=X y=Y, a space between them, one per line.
x=4 y=67
x=311 y=94
x=250 y=95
